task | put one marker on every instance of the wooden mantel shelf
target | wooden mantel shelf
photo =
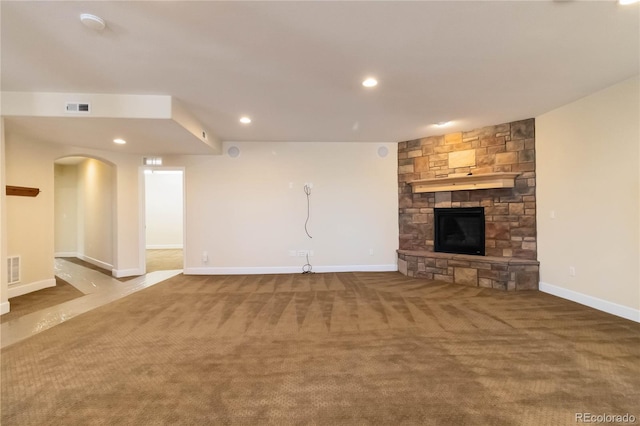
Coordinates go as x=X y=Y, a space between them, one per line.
x=22 y=191
x=465 y=183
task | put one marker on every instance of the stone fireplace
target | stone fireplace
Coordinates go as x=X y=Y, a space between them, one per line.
x=493 y=169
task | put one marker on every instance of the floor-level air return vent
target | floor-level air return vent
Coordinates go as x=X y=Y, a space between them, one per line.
x=77 y=108
x=13 y=269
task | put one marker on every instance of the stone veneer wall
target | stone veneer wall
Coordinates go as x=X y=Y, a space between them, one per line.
x=510 y=213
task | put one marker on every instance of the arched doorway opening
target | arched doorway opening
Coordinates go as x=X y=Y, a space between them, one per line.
x=84 y=210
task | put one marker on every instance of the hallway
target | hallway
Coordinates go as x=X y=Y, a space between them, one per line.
x=98 y=289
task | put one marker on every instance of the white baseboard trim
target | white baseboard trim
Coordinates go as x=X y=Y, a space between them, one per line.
x=95 y=262
x=391 y=267
x=4 y=308
x=593 y=302
x=164 y=246
x=20 y=289
x=121 y=273
x=65 y=254
x=221 y=270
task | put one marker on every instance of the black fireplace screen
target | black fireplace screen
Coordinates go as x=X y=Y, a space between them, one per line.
x=459 y=230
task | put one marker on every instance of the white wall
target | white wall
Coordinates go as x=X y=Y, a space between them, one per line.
x=248 y=212
x=164 y=209
x=587 y=162
x=95 y=212
x=29 y=229
x=66 y=210
x=4 y=288
x=47 y=104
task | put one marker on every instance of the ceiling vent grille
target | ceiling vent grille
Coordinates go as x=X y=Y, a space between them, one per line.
x=77 y=108
x=13 y=269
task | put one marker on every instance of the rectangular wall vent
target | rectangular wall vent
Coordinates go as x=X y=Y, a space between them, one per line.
x=13 y=269
x=152 y=161
x=77 y=108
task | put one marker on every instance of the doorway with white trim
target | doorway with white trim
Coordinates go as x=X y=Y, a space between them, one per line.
x=164 y=218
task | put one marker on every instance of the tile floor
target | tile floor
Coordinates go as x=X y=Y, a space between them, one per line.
x=98 y=288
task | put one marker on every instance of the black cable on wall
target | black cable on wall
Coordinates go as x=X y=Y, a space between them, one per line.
x=307 y=190
x=307 y=268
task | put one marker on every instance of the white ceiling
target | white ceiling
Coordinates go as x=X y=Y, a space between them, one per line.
x=296 y=67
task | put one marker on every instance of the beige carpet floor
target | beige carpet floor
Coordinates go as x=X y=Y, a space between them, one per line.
x=41 y=299
x=325 y=349
x=164 y=260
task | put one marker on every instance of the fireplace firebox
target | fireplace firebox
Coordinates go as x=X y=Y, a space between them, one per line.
x=459 y=230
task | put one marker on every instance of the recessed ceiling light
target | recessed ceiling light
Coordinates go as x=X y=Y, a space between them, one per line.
x=92 y=21
x=442 y=124
x=245 y=120
x=626 y=2
x=119 y=141
x=370 y=82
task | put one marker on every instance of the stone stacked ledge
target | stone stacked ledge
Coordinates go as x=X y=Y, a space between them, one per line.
x=503 y=273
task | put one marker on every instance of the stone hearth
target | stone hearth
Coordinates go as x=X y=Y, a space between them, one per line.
x=504 y=273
